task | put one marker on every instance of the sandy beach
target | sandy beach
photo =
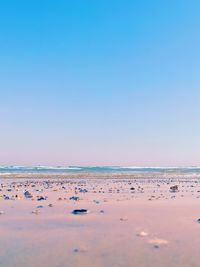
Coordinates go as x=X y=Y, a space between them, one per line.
x=131 y=220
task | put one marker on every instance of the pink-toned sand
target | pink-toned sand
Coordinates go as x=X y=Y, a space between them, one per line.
x=148 y=226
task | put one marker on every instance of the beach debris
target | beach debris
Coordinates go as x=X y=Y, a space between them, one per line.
x=198 y=220
x=101 y=211
x=27 y=194
x=142 y=234
x=50 y=205
x=173 y=189
x=80 y=211
x=2 y=212
x=156 y=242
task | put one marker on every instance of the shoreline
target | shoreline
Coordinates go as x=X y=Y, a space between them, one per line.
x=100 y=175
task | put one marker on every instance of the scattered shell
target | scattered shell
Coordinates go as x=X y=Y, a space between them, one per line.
x=142 y=234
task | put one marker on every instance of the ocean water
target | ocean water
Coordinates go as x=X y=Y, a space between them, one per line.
x=94 y=169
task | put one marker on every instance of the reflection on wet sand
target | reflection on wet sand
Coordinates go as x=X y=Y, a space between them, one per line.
x=99 y=220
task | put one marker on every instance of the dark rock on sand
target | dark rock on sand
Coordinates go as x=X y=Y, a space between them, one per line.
x=74 y=198
x=174 y=188
x=27 y=194
x=80 y=211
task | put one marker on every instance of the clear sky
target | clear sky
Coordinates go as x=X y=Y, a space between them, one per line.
x=103 y=82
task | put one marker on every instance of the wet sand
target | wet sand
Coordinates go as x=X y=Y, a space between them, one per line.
x=132 y=220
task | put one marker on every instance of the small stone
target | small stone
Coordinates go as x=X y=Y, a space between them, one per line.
x=74 y=198
x=80 y=250
x=27 y=194
x=124 y=219
x=40 y=198
x=156 y=242
x=80 y=211
x=174 y=189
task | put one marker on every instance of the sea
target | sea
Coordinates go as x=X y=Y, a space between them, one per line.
x=95 y=169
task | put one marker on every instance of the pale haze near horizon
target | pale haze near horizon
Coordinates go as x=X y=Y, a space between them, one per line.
x=100 y=83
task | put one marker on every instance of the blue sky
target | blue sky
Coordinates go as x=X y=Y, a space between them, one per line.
x=100 y=82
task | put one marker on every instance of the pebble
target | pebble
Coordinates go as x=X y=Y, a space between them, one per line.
x=74 y=198
x=80 y=211
x=27 y=194
x=41 y=198
x=156 y=242
x=124 y=219
x=174 y=188
x=80 y=250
